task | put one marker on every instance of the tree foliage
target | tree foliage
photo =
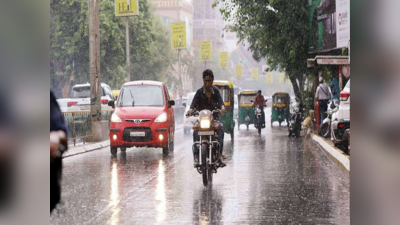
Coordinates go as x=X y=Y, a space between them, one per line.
x=150 y=49
x=276 y=30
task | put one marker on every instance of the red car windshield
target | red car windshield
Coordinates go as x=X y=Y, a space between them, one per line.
x=141 y=95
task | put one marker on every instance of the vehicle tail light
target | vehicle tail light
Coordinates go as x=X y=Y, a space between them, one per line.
x=104 y=101
x=341 y=125
x=344 y=96
x=71 y=103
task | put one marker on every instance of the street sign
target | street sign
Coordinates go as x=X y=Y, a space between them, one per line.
x=223 y=59
x=126 y=8
x=254 y=73
x=281 y=78
x=269 y=78
x=239 y=71
x=205 y=50
x=178 y=35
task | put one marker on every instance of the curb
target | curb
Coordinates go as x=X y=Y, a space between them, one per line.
x=338 y=156
x=86 y=148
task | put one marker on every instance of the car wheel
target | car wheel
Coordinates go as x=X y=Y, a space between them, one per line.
x=113 y=150
x=166 y=148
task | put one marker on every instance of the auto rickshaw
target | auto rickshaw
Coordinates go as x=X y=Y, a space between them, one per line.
x=227 y=93
x=246 y=110
x=115 y=94
x=280 y=107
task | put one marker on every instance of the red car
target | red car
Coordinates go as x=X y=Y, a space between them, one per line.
x=143 y=117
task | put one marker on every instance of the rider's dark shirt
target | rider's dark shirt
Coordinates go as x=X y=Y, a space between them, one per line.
x=200 y=100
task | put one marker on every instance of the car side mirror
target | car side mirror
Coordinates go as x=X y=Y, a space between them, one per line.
x=184 y=105
x=171 y=103
x=111 y=103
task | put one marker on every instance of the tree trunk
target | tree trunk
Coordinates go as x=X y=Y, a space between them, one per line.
x=295 y=87
x=315 y=84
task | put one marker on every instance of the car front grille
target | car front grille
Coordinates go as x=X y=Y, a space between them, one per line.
x=148 y=134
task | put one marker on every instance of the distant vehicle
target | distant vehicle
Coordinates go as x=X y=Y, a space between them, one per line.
x=143 y=117
x=190 y=121
x=80 y=97
x=115 y=94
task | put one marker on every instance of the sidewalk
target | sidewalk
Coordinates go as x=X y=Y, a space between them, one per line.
x=337 y=155
x=81 y=148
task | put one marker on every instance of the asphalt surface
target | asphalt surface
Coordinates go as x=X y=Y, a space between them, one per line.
x=270 y=179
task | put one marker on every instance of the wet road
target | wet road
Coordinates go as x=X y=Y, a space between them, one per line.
x=268 y=180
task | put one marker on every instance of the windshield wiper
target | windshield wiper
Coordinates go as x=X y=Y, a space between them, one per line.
x=133 y=100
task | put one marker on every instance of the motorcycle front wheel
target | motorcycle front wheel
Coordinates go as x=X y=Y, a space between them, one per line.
x=324 y=130
x=204 y=163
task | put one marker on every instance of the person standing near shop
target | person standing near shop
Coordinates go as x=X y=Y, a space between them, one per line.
x=335 y=88
x=322 y=95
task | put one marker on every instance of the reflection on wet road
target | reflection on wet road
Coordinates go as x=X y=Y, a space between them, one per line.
x=268 y=179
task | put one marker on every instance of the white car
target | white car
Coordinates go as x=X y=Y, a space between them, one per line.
x=80 y=97
x=344 y=106
x=188 y=122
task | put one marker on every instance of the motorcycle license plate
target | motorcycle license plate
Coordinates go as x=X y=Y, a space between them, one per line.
x=138 y=134
x=206 y=132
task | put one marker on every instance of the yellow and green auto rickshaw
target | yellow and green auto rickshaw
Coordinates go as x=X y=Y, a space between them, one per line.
x=227 y=93
x=246 y=111
x=280 y=107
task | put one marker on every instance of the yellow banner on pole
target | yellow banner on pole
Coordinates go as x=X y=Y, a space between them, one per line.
x=254 y=73
x=269 y=78
x=205 y=50
x=126 y=8
x=239 y=71
x=282 y=78
x=178 y=35
x=223 y=59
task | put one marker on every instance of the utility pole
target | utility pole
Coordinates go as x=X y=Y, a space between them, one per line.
x=128 y=67
x=94 y=55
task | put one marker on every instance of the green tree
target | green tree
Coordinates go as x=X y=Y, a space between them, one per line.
x=69 y=44
x=276 y=30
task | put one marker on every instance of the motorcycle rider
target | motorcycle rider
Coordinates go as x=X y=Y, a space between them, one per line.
x=259 y=100
x=208 y=97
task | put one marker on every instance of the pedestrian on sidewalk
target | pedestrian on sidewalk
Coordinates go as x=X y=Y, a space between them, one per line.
x=322 y=95
x=58 y=144
x=335 y=87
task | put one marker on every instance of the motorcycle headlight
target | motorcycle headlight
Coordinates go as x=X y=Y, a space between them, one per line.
x=205 y=124
x=161 y=118
x=115 y=118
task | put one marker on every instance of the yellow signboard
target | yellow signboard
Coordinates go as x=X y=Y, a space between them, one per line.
x=205 y=50
x=223 y=59
x=239 y=71
x=269 y=78
x=126 y=7
x=254 y=73
x=281 y=78
x=178 y=32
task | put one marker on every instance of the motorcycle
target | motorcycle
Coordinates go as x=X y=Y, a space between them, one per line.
x=259 y=122
x=208 y=144
x=295 y=119
x=325 y=128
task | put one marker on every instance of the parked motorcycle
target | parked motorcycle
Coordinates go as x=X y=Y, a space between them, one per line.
x=295 y=119
x=208 y=144
x=325 y=128
x=259 y=122
x=340 y=130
